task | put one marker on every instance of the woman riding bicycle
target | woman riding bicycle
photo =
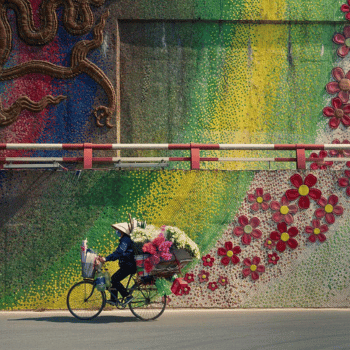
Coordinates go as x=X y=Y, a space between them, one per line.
x=127 y=265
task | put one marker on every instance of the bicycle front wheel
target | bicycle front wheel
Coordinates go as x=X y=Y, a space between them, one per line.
x=147 y=304
x=84 y=301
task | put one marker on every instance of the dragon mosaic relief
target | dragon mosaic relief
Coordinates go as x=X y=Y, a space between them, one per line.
x=78 y=19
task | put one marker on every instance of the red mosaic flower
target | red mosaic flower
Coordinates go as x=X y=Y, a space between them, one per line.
x=253 y=268
x=285 y=210
x=223 y=280
x=344 y=41
x=344 y=182
x=186 y=290
x=346 y=9
x=329 y=208
x=269 y=243
x=189 y=277
x=273 y=258
x=229 y=253
x=320 y=164
x=304 y=190
x=247 y=229
x=212 y=286
x=341 y=86
x=339 y=112
x=203 y=276
x=208 y=260
x=340 y=152
x=260 y=200
x=316 y=231
x=284 y=237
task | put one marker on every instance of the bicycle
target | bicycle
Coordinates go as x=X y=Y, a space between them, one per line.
x=85 y=302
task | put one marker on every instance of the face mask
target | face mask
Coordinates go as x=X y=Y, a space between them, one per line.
x=118 y=233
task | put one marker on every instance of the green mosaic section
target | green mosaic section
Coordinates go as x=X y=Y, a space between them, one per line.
x=84 y=205
x=301 y=10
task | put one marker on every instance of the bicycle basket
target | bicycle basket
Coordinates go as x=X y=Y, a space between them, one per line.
x=88 y=266
x=88 y=270
x=174 y=266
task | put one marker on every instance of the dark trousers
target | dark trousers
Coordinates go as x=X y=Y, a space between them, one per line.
x=124 y=271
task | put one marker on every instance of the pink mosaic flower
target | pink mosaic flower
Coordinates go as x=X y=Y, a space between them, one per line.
x=259 y=200
x=269 y=243
x=344 y=41
x=208 y=260
x=346 y=9
x=304 y=190
x=212 y=286
x=316 y=231
x=189 y=277
x=247 y=229
x=223 y=280
x=203 y=276
x=329 y=208
x=341 y=152
x=285 y=210
x=344 y=182
x=285 y=237
x=338 y=113
x=320 y=164
x=273 y=258
x=341 y=86
x=229 y=254
x=253 y=268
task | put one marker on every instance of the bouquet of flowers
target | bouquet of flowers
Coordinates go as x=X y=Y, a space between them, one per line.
x=179 y=239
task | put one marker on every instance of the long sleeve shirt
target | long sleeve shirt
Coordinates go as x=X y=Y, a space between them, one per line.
x=124 y=253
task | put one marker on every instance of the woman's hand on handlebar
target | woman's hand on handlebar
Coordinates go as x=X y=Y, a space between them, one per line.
x=101 y=259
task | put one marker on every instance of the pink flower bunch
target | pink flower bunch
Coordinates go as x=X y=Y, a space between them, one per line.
x=159 y=249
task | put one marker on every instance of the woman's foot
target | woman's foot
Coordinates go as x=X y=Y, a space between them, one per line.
x=112 y=302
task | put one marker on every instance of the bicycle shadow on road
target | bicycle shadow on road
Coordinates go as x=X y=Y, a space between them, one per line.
x=71 y=319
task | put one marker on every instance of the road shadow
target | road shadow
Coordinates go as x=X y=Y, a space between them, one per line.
x=71 y=319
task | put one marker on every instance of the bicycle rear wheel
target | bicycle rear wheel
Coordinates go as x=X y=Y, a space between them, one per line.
x=84 y=301
x=147 y=304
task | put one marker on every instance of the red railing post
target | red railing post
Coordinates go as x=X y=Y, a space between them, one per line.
x=87 y=155
x=301 y=162
x=195 y=157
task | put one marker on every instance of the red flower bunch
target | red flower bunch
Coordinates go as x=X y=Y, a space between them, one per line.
x=159 y=249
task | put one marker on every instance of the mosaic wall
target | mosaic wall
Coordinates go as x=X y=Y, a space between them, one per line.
x=190 y=71
x=267 y=238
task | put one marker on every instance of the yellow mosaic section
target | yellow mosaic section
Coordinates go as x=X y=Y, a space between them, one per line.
x=243 y=109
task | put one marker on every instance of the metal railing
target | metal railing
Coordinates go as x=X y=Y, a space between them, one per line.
x=194 y=156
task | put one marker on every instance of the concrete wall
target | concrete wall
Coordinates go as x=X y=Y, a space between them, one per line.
x=174 y=72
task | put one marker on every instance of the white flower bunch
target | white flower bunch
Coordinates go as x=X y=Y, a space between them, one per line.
x=181 y=240
x=143 y=235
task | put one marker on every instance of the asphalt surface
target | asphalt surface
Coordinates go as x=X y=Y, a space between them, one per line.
x=252 y=329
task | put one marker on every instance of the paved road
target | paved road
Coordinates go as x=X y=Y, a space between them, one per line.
x=301 y=329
